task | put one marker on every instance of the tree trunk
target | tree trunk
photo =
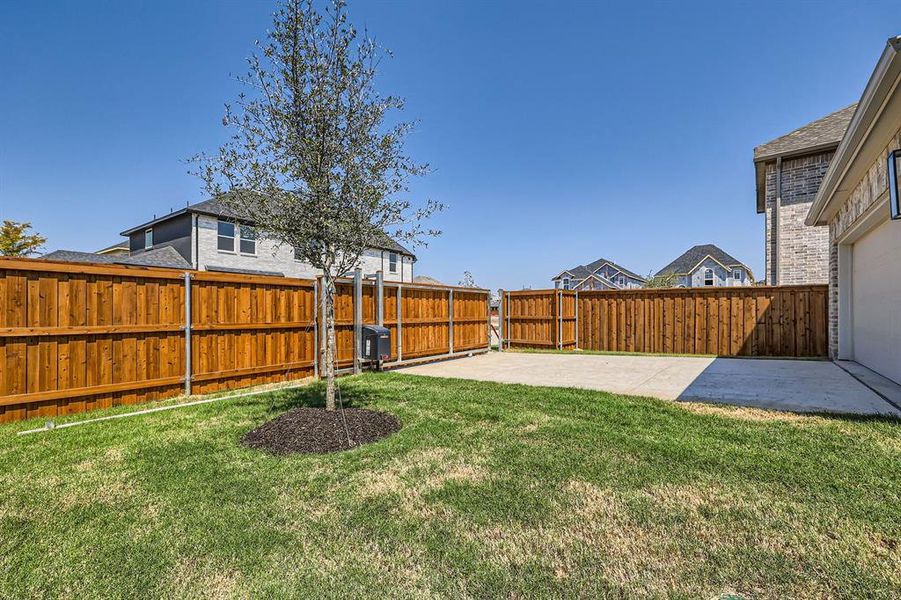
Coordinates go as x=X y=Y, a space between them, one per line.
x=328 y=350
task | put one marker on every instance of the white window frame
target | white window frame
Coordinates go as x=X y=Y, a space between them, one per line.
x=297 y=258
x=148 y=238
x=737 y=273
x=566 y=283
x=220 y=236
x=712 y=277
x=621 y=280
x=393 y=259
x=241 y=239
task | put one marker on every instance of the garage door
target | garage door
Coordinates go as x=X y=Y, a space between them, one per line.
x=876 y=300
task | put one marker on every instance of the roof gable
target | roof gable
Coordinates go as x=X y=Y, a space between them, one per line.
x=689 y=260
x=824 y=132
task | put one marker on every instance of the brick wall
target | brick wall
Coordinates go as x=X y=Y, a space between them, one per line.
x=802 y=255
x=872 y=188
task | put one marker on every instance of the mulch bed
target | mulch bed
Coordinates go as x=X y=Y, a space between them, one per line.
x=316 y=430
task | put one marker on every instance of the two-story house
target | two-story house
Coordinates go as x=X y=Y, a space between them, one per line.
x=601 y=274
x=707 y=265
x=206 y=236
x=788 y=171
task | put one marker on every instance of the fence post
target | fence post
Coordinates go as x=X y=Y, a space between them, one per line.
x=188 y=334
x=559 y=320
x=380 y=299
x=509 y=330
x=315 y=329
x=450 y=324
x=488 y=319
x=500 y=319
x=358 y=318
x=577 y=319
x=400 y=339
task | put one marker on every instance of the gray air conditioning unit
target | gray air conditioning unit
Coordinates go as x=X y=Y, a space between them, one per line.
x=375 y=346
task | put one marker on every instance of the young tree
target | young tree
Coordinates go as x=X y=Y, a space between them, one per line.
x=16 y=241
x=468 y=280
x=314 y=160
x=664 y=280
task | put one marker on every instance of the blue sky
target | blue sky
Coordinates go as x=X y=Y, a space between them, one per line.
x=558 y=132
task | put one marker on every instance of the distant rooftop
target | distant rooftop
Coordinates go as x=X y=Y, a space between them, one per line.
x=822 y=133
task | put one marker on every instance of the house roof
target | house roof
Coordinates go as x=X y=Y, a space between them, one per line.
x=690 y=259
x=122 y=245
x=425 y=279
x=873 y=127
x=583 y=271
x=821 y=135
x=826 y=131
x=167 y=256
x=215 y=207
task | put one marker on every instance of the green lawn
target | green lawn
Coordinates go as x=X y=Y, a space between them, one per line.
x=488 y=490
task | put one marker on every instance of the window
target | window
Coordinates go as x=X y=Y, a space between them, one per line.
x=148 y=239
x=248 y=239
x=297 y=255
x=894 y=183
x=566 y=283
x=708 y=276
x=737 y=274
x=226 y=236
x=621 y=281
x=392 y=262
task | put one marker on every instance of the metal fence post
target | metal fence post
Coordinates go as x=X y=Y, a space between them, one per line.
x=488 y=319
x=400 y=339
x=315 y=329
x=358 y=318
x=380 y=299
x=450 y=324
x=188 y=334
x=500 y=320
x=323 y=331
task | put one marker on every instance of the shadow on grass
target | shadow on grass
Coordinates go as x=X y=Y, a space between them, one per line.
x=313 y=396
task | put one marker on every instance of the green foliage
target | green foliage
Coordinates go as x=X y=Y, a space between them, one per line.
x=664 y=280
x=15 y=239
x=468 y=280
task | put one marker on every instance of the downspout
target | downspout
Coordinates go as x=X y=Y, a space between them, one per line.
x=776 y=208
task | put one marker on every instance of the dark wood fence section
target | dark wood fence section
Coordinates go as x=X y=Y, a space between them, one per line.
x=784 y=321
x=74 y=337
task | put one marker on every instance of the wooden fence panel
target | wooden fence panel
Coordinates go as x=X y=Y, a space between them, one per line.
x=789 y=321
x=74 y=337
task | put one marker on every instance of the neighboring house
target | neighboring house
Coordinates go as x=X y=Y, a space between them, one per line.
x=117 y=249
x=854 y=204
x=208 y=237
x=426 y=280
x=159 y=257
x=707 y=265
x=789 y=170
x=601 y=274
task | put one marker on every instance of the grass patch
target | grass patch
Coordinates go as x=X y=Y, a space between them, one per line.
x=487 y=490
x=673 y=354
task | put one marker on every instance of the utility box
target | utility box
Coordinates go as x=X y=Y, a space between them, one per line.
x=376 y=343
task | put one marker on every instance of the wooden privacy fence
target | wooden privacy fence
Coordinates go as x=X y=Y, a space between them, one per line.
x=786 y=321
x=74 y=337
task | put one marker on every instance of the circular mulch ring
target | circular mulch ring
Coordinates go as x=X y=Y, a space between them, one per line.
x=315 y=430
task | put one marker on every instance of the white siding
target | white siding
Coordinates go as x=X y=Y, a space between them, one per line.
x=280 y=258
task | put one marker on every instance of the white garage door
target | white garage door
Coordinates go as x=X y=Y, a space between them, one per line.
x=876 y=300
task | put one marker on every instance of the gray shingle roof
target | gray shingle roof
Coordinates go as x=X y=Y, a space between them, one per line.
x=583 y=271
x=167 y=256
x=217 y=208
x=691 y=257
x=817 y=134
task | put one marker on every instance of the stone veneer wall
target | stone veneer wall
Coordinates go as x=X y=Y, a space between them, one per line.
x=803 y=252
x=865 y=194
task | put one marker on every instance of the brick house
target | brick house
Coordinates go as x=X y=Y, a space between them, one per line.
x=788 y=172
x=858 y=208
x=208 y=237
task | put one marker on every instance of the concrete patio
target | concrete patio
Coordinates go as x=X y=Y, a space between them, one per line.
x=789 y=385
